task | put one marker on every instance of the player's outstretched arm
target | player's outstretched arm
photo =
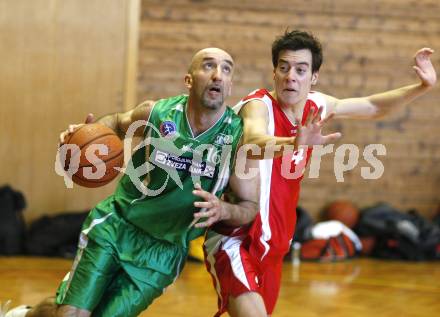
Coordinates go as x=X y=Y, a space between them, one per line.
x=255 y=131
x=255 y=126
x=378 y=105
x=246 y=193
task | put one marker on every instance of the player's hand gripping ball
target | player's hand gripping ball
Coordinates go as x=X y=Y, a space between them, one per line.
x=94 y=151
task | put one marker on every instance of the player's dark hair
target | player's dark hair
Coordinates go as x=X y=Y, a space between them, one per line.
x=297 y=40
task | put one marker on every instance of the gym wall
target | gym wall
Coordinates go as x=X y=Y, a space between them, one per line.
x=63 y=59
x=368 y=48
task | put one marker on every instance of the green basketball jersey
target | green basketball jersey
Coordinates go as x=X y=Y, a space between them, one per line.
x=155 y=194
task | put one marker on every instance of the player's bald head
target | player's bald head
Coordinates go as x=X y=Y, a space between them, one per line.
x=209 y=53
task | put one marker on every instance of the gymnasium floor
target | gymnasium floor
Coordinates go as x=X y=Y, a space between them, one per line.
x=360 y=287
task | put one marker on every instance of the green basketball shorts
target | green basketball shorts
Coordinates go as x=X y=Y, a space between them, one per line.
x=119 y=269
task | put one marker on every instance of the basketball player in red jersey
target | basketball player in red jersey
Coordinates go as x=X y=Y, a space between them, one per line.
x=246 y=268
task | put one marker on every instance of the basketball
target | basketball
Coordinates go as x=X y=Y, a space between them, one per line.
x=98 y=150
x=343 y=211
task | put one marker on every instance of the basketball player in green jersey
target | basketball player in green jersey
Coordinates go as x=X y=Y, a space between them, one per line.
x=134 y=243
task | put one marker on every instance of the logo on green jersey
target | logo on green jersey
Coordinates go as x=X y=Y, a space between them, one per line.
x=223 y=139
x=168 y=129
x=180 y=163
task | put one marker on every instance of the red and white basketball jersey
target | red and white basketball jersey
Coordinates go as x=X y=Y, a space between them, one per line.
x=273 y=228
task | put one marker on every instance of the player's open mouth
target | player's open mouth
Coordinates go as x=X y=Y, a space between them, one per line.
x=214 y=91
x=290 y=90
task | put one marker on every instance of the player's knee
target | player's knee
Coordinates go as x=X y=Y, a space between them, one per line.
x=71 y=311
x=249 y=304
x=47 y=308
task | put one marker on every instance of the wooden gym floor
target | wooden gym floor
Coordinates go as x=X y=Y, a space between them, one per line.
x=360 y=287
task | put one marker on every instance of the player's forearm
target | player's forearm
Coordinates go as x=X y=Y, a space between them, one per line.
x=111 y=121
x=266 y=146
x=378 y=105
x=239 y=214
x=385 y=102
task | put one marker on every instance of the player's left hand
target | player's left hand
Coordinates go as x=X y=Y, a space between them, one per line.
x=212 y=208
x=424 y=68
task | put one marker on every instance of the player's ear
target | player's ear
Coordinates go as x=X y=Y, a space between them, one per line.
x=315 y=76
x=188 y=81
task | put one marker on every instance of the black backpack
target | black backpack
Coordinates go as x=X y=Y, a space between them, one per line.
x=12 y=225
x=304 y=225
x=399 y=235
x=55 y=235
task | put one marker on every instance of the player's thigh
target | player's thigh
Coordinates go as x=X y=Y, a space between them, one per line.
x=126 y=297
x=92 y=272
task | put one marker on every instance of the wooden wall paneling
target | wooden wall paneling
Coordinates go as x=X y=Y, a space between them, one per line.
x=61 y=60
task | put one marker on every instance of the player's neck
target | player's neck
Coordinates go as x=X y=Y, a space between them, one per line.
x=201 y=118
x=292 y=111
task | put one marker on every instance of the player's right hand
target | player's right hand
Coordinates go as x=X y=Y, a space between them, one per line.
x=73 y=127
x=212 y=208
x=310 y=133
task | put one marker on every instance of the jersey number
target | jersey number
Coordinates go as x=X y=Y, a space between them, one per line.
x=298 y=156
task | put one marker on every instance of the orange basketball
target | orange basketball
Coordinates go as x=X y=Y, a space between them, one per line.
x=99 y=150
x=343 y=211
